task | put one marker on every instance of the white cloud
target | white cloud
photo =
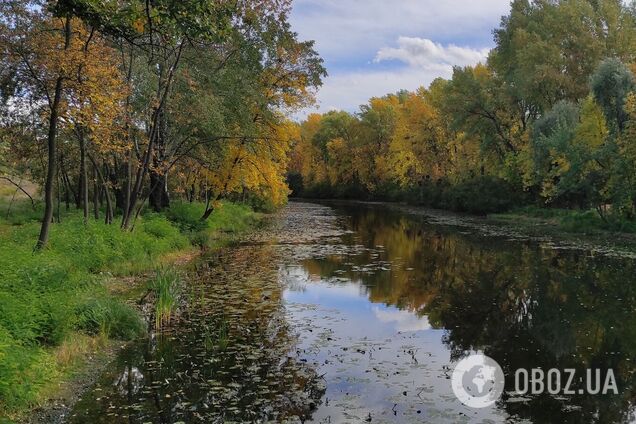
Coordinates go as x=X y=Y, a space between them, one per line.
x=424 y=62
x=424 y=53
x=345 y=28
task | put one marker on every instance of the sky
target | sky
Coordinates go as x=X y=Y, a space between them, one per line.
x=375 y=47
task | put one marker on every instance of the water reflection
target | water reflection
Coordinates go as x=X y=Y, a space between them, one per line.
x=358 y=314
x=519 y=303
x=230 y=359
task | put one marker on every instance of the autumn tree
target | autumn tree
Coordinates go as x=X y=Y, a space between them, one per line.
x=40 y=53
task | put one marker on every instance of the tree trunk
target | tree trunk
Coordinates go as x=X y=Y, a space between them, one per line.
x=43 y=238
x=67 y=195
x=52 y=162
x=207 y=213
x=83 y=175
x=159 y=198
x=192 y=193
x=109 y=204
x=79 y=192
x=59 y=196
x=162 y=95
x=50 y=173
x=96 y=190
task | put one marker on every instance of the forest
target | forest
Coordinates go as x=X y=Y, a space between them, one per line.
x=134 y=132
x=547 y=122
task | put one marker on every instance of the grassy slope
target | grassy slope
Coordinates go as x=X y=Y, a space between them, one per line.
x=56 y=306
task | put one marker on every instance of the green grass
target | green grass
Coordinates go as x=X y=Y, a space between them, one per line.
x=591 y=221
x=227 y=218
x=537 y=212
x=167 y=287
x=108 y=317
x=48 y=297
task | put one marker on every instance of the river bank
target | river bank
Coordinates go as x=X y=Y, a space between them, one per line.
x=67 y=311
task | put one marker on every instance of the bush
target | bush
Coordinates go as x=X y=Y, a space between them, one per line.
x=591 y=221
x=480 y=195
x=187 y=216
x=111 y=318
x=232 y=218
x=296 y=184
x=259 y=204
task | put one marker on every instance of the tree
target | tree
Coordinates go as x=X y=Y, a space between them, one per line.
x=39 y=50
x=479 y=105
x=543 y=61
x=611 y=83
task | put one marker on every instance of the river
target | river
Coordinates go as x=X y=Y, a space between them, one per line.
x=358 y=313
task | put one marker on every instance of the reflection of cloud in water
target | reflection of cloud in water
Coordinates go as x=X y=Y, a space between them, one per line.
x=297 y=279
x=404 y=320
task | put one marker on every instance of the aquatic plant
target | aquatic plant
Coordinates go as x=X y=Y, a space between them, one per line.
x=166 y=286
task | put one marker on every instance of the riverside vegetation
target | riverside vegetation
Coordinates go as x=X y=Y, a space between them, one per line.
x=56 y=305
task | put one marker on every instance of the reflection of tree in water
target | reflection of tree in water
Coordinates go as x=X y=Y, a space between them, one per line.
x=520 y=304
x=232 y=360
x=547 y=309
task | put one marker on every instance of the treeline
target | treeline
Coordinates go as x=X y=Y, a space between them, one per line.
x=549 y=120
x=113 y=106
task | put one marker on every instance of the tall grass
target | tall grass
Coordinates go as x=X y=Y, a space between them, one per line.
x=167 y=287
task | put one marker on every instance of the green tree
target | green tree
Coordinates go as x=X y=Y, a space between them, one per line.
x=611 y=83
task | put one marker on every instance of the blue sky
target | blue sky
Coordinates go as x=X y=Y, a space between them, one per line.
x=375 y=47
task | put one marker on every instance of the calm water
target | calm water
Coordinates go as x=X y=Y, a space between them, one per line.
x=359 y=313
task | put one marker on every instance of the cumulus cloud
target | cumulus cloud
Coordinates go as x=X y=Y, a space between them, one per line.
x=424 y=53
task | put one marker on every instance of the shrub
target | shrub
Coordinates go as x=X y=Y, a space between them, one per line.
x=232 y=218
x=110 y=317
x=590 y=221
x=187 y=216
